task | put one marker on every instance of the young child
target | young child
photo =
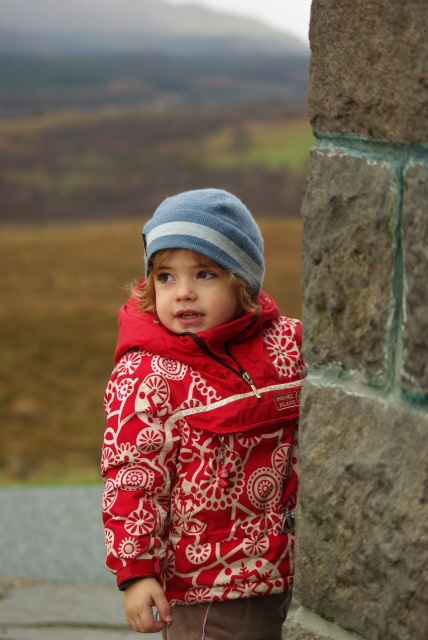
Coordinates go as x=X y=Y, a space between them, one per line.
x=200 y=446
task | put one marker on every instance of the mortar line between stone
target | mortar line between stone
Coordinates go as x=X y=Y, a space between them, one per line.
x=368 y=146
x=396 y=345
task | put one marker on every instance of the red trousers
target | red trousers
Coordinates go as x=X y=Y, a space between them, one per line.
x=258 y=618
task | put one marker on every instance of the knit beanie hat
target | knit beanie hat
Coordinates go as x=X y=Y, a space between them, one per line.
x=212 y=222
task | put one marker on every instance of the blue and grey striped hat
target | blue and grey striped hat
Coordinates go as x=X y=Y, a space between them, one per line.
x=212 y=222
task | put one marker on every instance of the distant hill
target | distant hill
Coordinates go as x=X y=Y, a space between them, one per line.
x=40 y=84
x=64 y=27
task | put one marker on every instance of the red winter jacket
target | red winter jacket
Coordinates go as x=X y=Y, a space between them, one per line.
x=200 y=455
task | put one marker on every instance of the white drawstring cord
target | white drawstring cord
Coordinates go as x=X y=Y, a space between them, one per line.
x=205 y=621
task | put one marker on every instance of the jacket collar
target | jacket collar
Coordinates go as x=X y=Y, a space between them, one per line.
x=141 y=329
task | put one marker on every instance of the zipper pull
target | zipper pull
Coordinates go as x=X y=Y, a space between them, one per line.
x=248 y=380
x=288 y=521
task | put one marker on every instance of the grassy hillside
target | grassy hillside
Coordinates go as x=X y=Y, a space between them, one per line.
x=106 y=163
x=60 y=292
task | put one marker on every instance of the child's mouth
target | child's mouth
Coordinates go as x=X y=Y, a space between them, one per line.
x=190 y=315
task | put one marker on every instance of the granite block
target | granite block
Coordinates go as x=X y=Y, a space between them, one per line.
x=369 y=71
x=362 y=535
x=349 y=247
x=415 y=250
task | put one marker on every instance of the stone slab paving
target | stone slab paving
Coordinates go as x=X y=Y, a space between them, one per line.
x=52 y=539
x=45 y=610
x=53 y=533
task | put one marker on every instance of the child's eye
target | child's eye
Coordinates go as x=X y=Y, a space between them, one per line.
x=164 y=277
x=206 y=275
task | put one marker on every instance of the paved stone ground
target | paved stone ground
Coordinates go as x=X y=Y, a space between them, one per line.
x=44 y=610
x=53 y=533
x=53 y=583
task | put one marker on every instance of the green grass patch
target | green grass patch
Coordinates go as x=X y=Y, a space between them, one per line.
x=272 y=144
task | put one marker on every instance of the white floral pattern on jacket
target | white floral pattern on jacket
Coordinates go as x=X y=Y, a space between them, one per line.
x=170 y=428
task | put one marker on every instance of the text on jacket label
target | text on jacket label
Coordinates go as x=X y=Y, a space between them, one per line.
x=286 y=400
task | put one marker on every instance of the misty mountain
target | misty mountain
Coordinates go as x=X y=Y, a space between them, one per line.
x=38 y=84
x=61 y=27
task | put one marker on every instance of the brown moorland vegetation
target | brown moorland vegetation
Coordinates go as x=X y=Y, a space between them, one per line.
x=105 y=163
x=60 y=291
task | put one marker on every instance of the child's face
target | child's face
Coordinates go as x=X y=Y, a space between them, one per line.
x=192 y=297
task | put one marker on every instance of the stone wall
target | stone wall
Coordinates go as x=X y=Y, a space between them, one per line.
x=362 y=533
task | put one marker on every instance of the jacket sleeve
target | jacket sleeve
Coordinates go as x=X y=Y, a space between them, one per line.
x=138 y=464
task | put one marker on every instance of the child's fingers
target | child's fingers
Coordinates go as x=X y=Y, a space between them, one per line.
x=144 y=622
x=140 y=597
x=163 y=606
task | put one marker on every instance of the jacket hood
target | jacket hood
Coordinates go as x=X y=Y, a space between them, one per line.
x=141 y=329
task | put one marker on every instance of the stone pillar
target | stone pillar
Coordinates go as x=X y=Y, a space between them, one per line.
x=362 y=532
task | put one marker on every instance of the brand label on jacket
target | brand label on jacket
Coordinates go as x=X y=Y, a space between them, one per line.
x=286 y=400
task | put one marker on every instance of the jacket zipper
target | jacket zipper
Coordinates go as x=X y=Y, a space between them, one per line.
x=244 y=375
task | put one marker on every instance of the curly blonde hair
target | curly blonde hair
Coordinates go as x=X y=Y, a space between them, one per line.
x=145 y=294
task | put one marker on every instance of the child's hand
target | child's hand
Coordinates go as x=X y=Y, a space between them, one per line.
x=140 y=597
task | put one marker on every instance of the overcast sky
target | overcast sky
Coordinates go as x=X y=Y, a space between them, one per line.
x=291 y=16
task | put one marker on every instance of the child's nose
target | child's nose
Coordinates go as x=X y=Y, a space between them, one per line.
x=185 y=290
